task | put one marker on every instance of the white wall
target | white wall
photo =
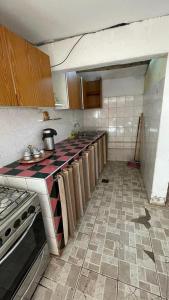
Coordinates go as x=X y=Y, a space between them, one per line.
x=123 y=86
x=161 y=172
x=119 y=115
x=155 y=110
x=117 y=45
x=20 y=127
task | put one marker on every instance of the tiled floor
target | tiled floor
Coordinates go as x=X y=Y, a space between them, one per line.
x=121 y=248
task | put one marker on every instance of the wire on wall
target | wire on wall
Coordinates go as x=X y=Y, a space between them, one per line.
x=119 y=25
x=70 y=51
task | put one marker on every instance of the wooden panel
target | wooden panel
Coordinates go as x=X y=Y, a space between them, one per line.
x=74 y=90
x=18 y=55
x=45 y=80
x=7 y=88
x=92 y=94
x=41 y=77
x=93 y=87
x=31 y=72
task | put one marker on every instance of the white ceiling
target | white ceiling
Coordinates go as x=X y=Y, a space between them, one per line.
x=42 y=20
x=135 y=71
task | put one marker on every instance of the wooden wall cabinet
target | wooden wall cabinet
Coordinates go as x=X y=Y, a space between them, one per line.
x=72 y=91
x=7 y=87
x=67 y=90
x=25 y=73
x=92 y=93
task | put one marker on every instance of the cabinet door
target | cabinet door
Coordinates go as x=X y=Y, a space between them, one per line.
x=92 y=94
x=74 y=90
x=60 y=89
x=7 y=88
x=31 y=72
x=45 y=80
x=18 y=54
x=41 y=77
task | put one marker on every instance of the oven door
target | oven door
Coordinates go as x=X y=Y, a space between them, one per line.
x=18 y=261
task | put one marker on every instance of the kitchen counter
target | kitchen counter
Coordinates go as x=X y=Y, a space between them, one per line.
x=42 y=178
x=65 y=152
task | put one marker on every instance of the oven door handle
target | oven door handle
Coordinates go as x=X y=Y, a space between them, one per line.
x=19 y=241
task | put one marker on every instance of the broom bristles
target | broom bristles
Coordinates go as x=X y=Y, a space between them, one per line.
x=134 y=164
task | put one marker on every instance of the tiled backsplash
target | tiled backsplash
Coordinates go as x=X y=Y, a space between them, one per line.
x=119 y=116
x=20 y=127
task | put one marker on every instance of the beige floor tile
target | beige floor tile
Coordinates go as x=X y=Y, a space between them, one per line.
x=102 y=252
x=131 y=293
x=93 y=286
x=59 y=281
x=42 y=293
x=162 y=265
x=75 y=250
x=129 y=234
x=87 y=223
x=137 y=268
x=160 y=241
x=159 y=216
x=61 y=272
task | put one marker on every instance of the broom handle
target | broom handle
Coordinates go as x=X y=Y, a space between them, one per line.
x=137 y=138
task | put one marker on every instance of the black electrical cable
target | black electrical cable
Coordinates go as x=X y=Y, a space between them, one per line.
x=119 y=25
x=70 y=51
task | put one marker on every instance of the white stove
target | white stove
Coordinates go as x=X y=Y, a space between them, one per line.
x=24 y=252
x=10 y=198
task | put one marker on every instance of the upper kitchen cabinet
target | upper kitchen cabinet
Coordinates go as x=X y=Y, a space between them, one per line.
x=7 y=87
x=74 y=90
x=30 y=71
x=67 y=90
x=60 y=89
x=92 y=93
x=41 y=77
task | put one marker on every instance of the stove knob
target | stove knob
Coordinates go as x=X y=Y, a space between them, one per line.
x=31 y=209
x=24 y=215
x=1 y=242
x=8 y=231
x=17 y=223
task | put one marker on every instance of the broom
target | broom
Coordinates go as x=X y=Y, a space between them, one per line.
x=136 y=162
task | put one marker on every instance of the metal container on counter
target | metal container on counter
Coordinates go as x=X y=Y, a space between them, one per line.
x=48 y=138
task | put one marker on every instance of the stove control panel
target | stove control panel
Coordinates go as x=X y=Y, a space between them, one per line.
x=18 y=218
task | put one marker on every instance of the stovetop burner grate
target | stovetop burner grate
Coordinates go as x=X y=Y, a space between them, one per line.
x=10 y=198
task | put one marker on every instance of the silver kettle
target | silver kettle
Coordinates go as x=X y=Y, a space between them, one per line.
x=48 y=138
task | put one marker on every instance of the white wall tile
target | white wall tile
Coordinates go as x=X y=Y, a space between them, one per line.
x=3 y=180
x=120 y=117
x=120 y=101
x=112 y=112
x=112 y=121
x=53 y=246
x=49 y=227
x=45 y=205
x=112 y=102
x=37 y=185
x=17 y=182
x=129 y=100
